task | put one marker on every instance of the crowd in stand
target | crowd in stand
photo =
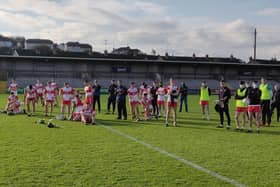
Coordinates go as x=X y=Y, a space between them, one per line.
x=254 y=101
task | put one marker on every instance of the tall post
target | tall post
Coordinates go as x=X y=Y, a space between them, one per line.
x=255 y=44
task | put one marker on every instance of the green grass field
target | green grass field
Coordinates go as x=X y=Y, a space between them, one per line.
x=103 y=155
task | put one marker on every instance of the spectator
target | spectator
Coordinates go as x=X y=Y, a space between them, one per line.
x=265 y=102
x=96 y=95
x=276 y=101
x=121 y=101
x=224 y=97
x=112 y=90
x=183 y=97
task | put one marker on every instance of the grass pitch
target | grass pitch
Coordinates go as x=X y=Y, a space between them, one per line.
x=78 y=155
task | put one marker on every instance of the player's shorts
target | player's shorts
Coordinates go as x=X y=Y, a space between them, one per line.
x=241 y=109
x=173 y=105
x=68 y=103
x=254 y=108
x=160 y=102
x=49 y=101
x=30 y=99
x=39 y=94
x=89 y=100
x=134 y=103
x=204 y=103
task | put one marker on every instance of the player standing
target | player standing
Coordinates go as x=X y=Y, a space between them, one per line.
x=39 y=92
x=30 y=97
x=88 y=93
x=154 y=98
x=161 y=92
x=265 y=102
x=205 y=94
x=13 y=87
x=55 y=87
x=172 y=99
x=49 y=96
x=133 y=101
x=241 y=105
x=254 y=108
x=67 y=94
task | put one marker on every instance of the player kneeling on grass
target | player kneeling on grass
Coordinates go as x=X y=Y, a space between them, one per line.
x=13 y=104
x=67 y=94
x=147 y=106
x=241 y=105
x=30 y=98
x=133 y=101
x=88 y=115
x=172 y=99
x=77 y=107
x=49 y=96
x=254 y=108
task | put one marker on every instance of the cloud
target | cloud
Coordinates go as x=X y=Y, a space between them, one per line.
x=139 y=23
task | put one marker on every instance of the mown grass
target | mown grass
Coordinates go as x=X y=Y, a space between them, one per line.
x=78 y=155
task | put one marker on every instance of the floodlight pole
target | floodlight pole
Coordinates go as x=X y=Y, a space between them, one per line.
x=255 y=44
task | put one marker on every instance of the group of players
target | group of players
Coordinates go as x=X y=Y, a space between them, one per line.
x=253 y=101
x=77 y=109
x=157 y=100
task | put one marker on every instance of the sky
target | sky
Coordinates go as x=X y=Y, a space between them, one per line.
x=179 y=27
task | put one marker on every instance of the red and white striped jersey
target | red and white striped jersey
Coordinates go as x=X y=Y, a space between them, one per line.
x=88 y=91
x=13 y=87
x=54 y=85
x=171 y=89
x=133 y=94
x=12 y=98
x=67 y=93
x=161 y=92
x=78 y=103
x=49 y=93
x=39 y=88
x=30 y=93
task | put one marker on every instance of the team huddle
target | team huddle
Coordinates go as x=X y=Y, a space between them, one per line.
x=253 y=101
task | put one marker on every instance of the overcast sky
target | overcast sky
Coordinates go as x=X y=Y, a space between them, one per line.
x=181 y=27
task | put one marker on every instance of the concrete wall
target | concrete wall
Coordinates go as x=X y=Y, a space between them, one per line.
x=28 y=70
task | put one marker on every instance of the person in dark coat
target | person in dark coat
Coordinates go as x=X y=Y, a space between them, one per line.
x=276 y=101
x=224 y=97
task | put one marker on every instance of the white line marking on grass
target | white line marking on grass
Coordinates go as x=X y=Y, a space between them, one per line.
x=186 y=162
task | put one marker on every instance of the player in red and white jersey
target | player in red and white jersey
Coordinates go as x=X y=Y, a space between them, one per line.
x=39 y=91
x=49 y=96
x=77 y=107
x=88 y=115
x=13 y=104
x=161 y=92
x=66 y=93
x=30 y=97
x=13 y=87
x=133 y=95
x=54 y=85
x=88 y=93
x=144 y=88
x=172 y=99
x=147 y=106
